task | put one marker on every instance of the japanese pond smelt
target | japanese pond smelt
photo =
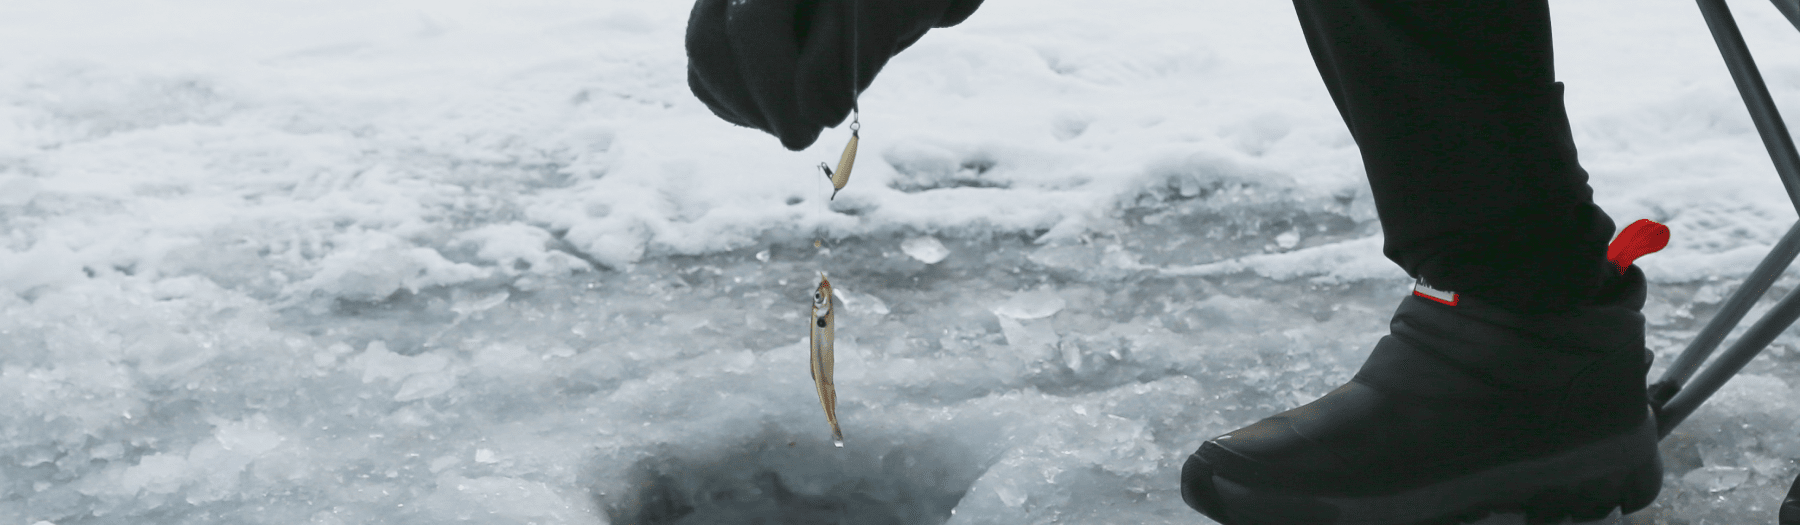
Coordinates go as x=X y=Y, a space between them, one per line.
x=820 y=327
x=842 y=176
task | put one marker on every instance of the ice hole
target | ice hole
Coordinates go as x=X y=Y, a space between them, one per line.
x=780 y=477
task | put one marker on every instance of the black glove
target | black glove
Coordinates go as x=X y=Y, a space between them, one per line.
x=783 y=66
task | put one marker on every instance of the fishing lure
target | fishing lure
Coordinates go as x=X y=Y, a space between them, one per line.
x=845 y=161
x=820 y=342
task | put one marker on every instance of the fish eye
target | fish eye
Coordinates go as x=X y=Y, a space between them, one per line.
x=817 y=297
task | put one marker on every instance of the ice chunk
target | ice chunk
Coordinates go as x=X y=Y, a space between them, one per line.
x=425 y=385
x=1716 y=478
x=1344 y=261
x=920 y=165
x=216 y=471
x=108 y=451
x=612 y=241
x=1066 y=256
x=1010 y=494
x=466 y=305
x=379 y=363
x=250 y=437
x=1766 y=466
x=516 y=247
x=444 y=462
x=1072 y=356
x=157 y=473
x=1188 y=187
x=498 y=499
x=168 y=354
x=1031 y=305
x=1035 y=337
x=370 y=266
x=504 y=360
x=1022 y=320
x=1288 y=239
x=420 y=376
x=45 y=264
x=860 y=303
x=927 y=249
x=739 y=362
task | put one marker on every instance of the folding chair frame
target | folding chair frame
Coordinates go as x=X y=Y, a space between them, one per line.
x=1674 y=397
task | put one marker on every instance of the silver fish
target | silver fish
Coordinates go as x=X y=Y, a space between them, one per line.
x=819 y=329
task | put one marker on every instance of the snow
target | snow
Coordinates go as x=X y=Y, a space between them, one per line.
x=425 y=262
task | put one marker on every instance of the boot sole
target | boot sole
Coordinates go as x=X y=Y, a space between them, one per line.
x=1585 y=483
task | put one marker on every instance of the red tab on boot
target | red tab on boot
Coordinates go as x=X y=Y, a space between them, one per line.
x=1639 y=238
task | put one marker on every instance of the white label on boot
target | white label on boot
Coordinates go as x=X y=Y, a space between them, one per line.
x=1443 y=297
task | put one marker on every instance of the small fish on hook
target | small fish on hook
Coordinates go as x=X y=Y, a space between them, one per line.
x=820 y=329
x=842 y=176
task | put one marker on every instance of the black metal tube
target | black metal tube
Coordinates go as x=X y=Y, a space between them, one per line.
x=1788 y=9
x=1757 y=96
x=1730 y=313
x=1755 y=340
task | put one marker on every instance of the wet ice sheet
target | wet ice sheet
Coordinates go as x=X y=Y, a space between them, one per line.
x=589 y=398
x=422 y=262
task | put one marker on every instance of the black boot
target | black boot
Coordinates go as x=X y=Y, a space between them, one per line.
x=1790 y=512
x=1464 y=409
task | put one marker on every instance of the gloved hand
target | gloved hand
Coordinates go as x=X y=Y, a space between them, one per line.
x=784 y=66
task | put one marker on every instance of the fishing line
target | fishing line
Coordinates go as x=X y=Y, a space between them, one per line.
x=848 y=159
x=854 y=111
x=821 y=324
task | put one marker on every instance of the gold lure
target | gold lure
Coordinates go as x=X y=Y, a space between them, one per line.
x=819 y=332
x=842 y=176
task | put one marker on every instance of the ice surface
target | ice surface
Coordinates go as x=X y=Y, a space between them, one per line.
x=424 y=262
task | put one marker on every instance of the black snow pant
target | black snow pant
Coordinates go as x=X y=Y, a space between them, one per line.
x=1463 y=133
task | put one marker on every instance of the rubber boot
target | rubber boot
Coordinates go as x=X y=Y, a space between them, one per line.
x=1463 y=409
x=1789 y=513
